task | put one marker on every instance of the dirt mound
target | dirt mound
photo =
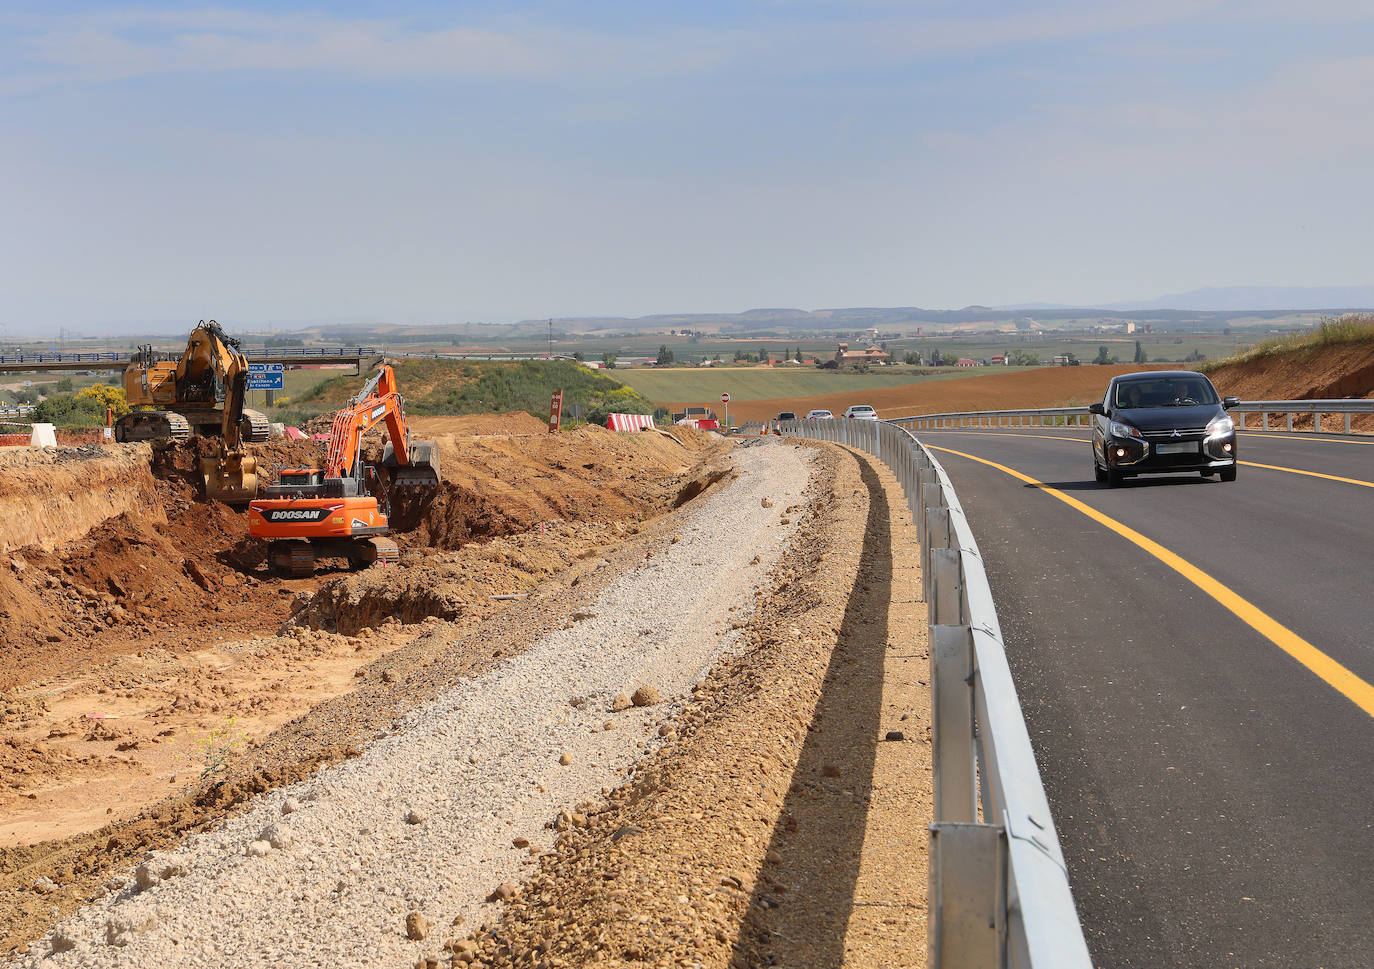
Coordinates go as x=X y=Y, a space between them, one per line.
x=178 y=462
x=1318 y=373
x=453 y=585
x=50 y=497
x=448 y=517
x=514 y=422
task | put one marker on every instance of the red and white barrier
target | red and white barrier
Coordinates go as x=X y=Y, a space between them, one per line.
x=629 y=422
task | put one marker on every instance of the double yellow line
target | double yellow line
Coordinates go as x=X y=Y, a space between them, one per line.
x=1342 y=680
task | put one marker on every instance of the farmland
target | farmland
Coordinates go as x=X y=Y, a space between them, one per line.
x=761 y=383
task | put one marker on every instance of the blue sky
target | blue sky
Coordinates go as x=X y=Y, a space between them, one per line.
x=499 y=161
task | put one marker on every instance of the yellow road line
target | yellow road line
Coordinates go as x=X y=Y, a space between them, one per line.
x=1251 y=432
x=1310 y=474
x=1342 y=680
x=1248 y=464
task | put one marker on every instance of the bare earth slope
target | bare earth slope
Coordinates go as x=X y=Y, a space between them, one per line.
x=1322 y=373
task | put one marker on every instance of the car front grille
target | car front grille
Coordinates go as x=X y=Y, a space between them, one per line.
x=1176 y=434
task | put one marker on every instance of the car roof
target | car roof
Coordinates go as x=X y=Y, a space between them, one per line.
x=1145 y=374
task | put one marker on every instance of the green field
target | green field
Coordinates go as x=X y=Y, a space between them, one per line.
x=755 y=383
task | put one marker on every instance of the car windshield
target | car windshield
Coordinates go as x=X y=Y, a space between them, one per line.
x=861 y=409
x=1165 y=392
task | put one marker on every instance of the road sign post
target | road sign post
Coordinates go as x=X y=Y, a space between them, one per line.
x=725 y=399
x=555 y=411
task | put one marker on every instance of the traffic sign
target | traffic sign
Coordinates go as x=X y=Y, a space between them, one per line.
x=266 y=376
x=725 y=398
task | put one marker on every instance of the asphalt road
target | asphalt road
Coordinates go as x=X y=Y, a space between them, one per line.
x=1214 y=797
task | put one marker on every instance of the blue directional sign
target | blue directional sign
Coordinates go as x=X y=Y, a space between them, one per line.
x=266 y=376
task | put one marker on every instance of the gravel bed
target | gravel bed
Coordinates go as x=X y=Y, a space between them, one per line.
x=417 y=832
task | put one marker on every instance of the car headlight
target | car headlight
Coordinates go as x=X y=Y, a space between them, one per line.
x=1123 y=430
x=1220 y=426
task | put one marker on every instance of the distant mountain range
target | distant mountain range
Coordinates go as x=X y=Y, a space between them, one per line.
x=1212 y=306
x=1230 y=299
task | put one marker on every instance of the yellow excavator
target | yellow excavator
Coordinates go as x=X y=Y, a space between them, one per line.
x=200 y=393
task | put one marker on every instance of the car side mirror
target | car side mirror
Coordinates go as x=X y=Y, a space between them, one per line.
x=1228 y=402
x=1097 y=409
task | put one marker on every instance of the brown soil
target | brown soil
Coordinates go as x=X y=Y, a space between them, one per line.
x=1046 y=387
x=156 y=655
x=746 y=845
x=1322 y=373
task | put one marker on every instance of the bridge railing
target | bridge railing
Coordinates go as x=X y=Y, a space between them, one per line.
x=122 y=357
x=999 y=886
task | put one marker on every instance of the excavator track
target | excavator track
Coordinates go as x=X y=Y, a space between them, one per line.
x=388 y=552
x=296 y=559
x=151 y=425
x=256 y=427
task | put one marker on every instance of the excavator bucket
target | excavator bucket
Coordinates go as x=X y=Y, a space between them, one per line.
x=232 y=482
x=423 y=470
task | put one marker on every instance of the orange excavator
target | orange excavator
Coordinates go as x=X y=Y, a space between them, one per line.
x=332 y=512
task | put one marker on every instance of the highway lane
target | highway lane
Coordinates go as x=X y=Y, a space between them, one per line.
x=1214 y=797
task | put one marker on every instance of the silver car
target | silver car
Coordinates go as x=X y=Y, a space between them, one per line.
x=861 y=412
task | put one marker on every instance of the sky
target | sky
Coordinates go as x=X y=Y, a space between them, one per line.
x=497 y=161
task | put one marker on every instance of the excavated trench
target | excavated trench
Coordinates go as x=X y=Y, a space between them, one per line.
x=151 y=653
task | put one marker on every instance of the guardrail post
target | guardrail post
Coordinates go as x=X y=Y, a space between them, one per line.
x=1347 y=422
x=1316 y=422
x=927 y=495
x=936 y=535
x=946 y=602
x=968 y=896
x=951 y=690
x=1241 y=423
x=1289 y=415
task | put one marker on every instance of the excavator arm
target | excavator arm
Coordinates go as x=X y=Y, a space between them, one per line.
x=409 y=463
x=212 y=356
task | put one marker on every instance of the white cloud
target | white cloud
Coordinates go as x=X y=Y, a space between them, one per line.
x=123 y=43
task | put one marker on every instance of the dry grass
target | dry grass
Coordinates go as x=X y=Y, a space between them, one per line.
x=1356 y=328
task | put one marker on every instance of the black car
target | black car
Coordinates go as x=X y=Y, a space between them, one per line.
x=1163 y=422
x=786 y=415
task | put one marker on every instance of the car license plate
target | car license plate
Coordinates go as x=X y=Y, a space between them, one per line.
x=1177 y=447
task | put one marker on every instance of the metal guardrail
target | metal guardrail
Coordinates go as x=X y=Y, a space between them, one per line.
x=1078 y=416
x=1344 y=406
x=17 y=410
x=1039 y=417
x=1000 y=892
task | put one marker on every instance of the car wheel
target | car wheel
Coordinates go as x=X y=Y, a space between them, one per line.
x=1114 y=478
x=1099 y=475
x=1228 y=474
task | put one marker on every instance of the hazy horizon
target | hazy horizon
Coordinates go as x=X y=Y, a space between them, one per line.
x=407 y=161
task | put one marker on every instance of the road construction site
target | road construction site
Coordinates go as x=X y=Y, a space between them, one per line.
x=603 y=709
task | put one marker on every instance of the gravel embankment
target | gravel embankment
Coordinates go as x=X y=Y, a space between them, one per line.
x=421 y=828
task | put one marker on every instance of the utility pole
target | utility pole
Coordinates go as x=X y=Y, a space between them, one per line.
x=550 y=336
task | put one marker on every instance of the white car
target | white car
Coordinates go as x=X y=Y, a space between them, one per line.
x=819 y=415
x=862 y=412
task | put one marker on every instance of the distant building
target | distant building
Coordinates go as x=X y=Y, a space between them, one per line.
x=846 y=357
x=965 y=362
x=998 y=360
